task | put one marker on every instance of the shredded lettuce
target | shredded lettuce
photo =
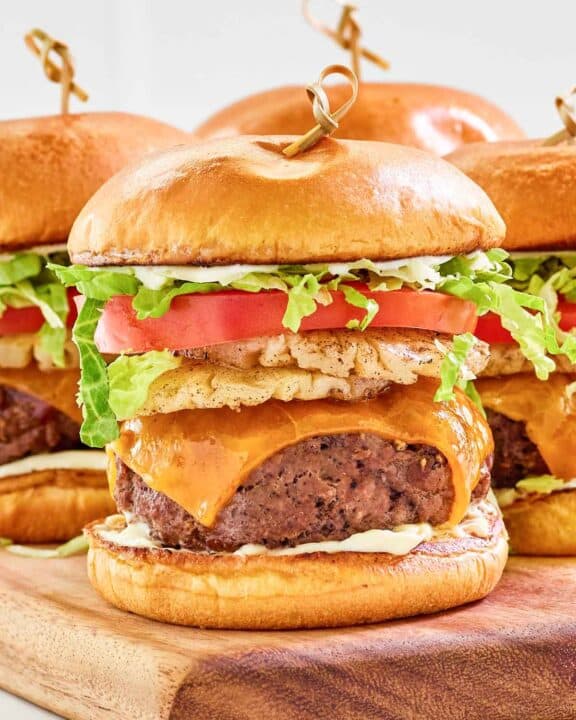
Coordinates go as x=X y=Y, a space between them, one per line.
x=130 y=377
x=451 y=370
x=99 y=426
x=522 y=292
x=5 y=542
x=543 y=484
x=76 y=546
x=25 y=281
x=536 y=485
x=155 y=303
x=355 y=298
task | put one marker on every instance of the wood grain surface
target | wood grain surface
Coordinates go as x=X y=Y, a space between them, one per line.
x=510 y=656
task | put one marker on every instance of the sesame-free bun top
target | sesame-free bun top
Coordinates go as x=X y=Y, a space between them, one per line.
x=240 y=200
x=429 y=117
x=50 y=166
x=532 y=185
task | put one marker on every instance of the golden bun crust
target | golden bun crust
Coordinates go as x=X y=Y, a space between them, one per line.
x=304 y=591
x=429 y=117
x=240 y=200
x=50 y=166
x=545 y=526
x=532 y=185
x=53 y=505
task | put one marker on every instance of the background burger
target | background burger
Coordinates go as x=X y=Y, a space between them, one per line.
x=533 y=421
x=50 y=485
x=296 y=447
x=430 y=117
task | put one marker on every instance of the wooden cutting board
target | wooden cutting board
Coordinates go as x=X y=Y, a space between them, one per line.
x=510 y=656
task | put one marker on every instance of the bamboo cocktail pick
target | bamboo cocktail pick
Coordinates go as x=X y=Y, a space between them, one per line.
x=327 y=121
x=567 y=111
x=347 y=35
x=43 y=45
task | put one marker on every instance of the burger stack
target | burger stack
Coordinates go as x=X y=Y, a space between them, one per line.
x=533 y=184
x=282 y=381
x=51 y=484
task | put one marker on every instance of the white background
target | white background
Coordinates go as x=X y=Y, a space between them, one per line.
x=180 y=60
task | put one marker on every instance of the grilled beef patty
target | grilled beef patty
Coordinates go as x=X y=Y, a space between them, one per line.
x=323 y=488
x=29 y=426
x=515 y=455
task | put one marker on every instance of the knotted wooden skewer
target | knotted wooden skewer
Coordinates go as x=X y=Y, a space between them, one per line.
x=42 y=45
x=327 y=120
x=347 y=35
x=567 y=111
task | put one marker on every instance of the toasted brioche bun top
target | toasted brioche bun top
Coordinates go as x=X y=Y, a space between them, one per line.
x=532 y=185
x=240 y=200
x=433 y=118
x=50 y=166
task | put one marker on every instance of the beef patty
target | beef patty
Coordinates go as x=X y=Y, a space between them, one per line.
x=29 y=426
x=515 y=455
x=323 y=488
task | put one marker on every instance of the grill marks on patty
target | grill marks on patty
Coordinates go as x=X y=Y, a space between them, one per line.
x=323 y=488
x=515 y=455
x=29 y=426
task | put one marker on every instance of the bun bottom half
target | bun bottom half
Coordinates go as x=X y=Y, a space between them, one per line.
x=52 y=506
x=303 y=591
x=543 y=526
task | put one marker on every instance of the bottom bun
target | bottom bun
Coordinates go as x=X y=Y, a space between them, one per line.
x=52 y=506
x=545 y=525
x=302 y=591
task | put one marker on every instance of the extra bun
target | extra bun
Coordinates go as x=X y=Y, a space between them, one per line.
x=543 y=526
x=53 y=505
x=437 y=119
x=303 y=591
x=50 y=166
x=532 y=185
x=240 y=200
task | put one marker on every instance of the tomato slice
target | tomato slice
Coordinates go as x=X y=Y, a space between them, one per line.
x=490 y=328
x=230 y=315
x=30 y=319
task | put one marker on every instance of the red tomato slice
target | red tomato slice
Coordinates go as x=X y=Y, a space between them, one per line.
x=230 y=315
x=30 y=319
x=490 y=328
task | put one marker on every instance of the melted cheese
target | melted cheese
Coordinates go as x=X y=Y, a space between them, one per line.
x=399 y=541
x=65 y=460
x=199 y=458
x=57 y=388
x=547 y=409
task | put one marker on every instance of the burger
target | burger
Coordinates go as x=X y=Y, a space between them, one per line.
x=50 y=483
x=429 y=117
x=533 y=418
x=277 y=353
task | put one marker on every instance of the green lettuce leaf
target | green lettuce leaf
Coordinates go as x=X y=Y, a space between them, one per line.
x=543 y=484
x=523 y=294
x=76 y=546
x=155 y=303
x=451 y=369
x=130 y=377
x=97 y=283
x=355 y=298
x=26 y=281
x=22 y=266
x=99 y=426
x=302 y=301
